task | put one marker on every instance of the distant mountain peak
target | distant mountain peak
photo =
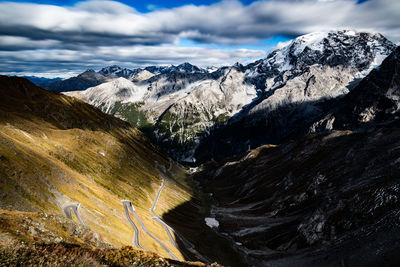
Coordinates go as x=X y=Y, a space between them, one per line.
x=115 y=71
x=185 y=64
x=188 y=68
x=110 y=69
x=88 y=71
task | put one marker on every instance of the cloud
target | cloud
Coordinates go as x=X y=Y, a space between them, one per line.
x=100 y=22
x=58 y=61
x=95 y=26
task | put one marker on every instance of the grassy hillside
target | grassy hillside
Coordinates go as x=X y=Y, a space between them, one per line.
x=55 y=150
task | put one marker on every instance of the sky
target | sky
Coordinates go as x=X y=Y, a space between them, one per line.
x=63 y=38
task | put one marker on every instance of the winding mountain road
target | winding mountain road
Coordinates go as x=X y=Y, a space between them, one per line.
x=73 y=207
x=128 y=207
x=169 y=229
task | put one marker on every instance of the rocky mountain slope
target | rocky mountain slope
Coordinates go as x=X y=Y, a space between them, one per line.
x=185 y=106
x=375 y=100
x=56 y=151
x=328 y=199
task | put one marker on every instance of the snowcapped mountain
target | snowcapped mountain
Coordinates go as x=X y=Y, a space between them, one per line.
x=186 y=68
x=317 y=65
x=141 y=75
x=182 y=115
x=359 y=51
x=187 y=105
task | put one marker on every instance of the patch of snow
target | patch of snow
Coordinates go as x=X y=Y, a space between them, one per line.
x=102 y=153
x=211 y=69
x=378 y=59
x=281 y=45
x=311 y=40
x=350 y=33
x=212 y=222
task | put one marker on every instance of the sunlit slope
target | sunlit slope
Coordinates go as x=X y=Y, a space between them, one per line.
x=55 y=150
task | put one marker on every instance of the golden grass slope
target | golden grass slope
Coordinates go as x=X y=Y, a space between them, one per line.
x=55 y=149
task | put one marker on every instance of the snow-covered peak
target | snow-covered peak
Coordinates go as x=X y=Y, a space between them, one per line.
x=360 y=51
x=313 y=41
x=188 y=68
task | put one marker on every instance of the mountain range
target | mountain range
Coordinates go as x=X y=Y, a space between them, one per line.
x=188 y=109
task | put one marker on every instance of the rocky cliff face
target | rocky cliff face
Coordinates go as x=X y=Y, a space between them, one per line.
x=375 y=100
